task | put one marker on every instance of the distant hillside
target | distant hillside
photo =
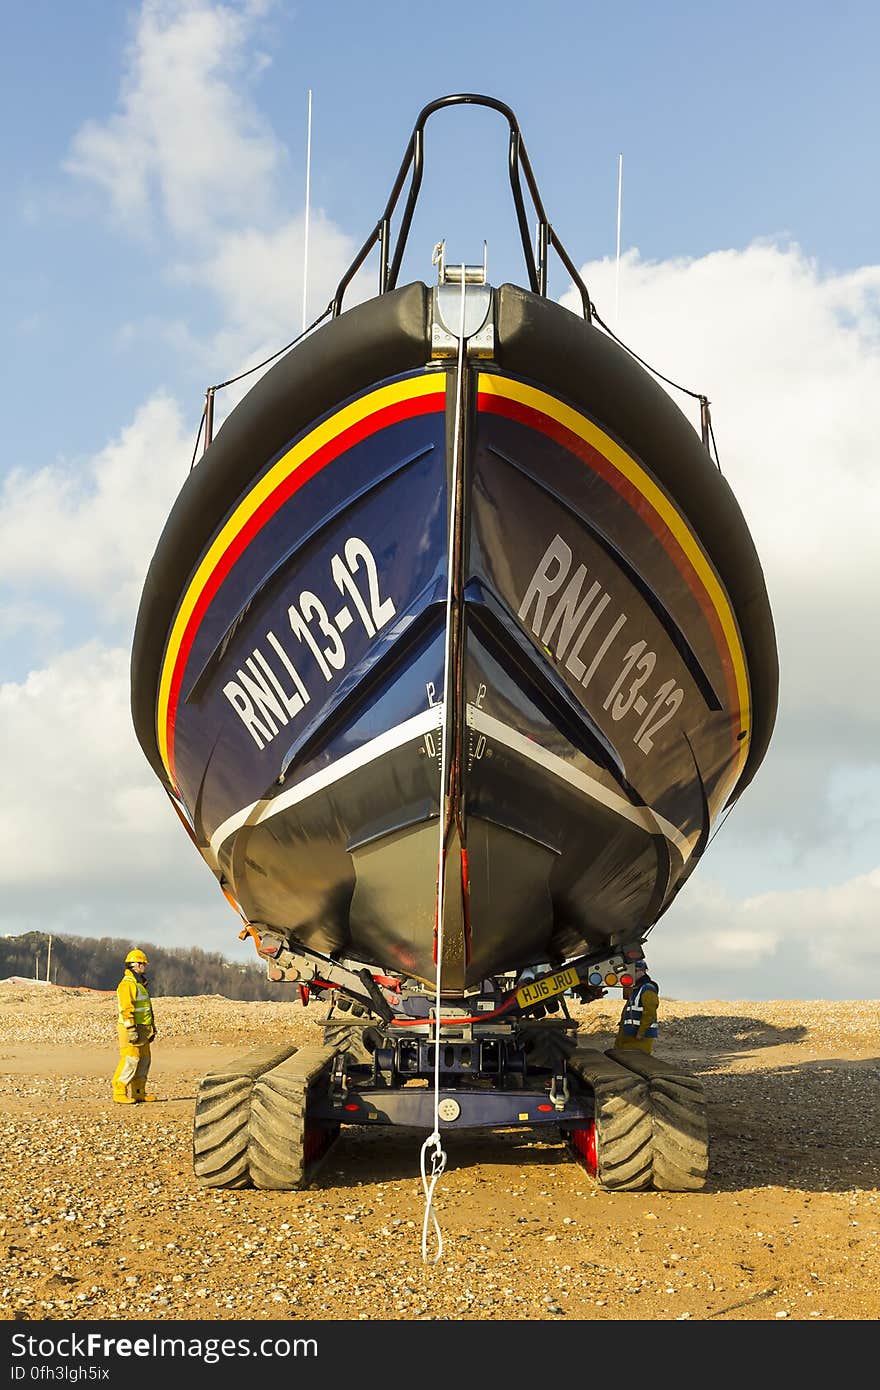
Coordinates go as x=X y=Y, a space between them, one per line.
x=97 y=963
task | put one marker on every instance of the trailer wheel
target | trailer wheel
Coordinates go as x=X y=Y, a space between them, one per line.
x=582 y=1144
x=286 y=1146
x=545 y=1042
x=221 y=1119
x=220 y=1134
x=621 y=1123
x=680 y=1126
x=681 y=1135
x=346 y=1035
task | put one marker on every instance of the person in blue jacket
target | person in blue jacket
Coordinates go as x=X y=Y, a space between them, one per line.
x=638 y=1021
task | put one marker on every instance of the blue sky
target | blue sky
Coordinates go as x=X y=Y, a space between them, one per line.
x=154 y=172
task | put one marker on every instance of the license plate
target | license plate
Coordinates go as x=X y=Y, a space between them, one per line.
x=546 y=987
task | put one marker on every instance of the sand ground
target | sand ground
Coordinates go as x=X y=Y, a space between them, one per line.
x=101 y=1216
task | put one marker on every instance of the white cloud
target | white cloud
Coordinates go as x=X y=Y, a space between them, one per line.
x=91 y=844
x=186 y=136
x=90 y=528
x=258 y=275
x=90 y=813
x=788 y=357
x=256 y=278
x=816 y=942
x=187 y=152
x=28 y=616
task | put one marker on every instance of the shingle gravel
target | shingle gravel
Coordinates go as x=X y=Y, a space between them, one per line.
x=101 y=1216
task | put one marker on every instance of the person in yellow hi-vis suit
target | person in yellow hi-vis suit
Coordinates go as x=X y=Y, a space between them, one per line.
x=136 y=1029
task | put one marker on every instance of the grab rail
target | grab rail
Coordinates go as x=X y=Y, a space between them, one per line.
x=390 y=260
x=518 y=163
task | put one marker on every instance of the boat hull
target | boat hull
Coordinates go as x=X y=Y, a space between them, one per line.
x=451 y=667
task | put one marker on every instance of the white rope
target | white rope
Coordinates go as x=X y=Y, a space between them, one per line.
x=433 y=1141
x=438 y=1163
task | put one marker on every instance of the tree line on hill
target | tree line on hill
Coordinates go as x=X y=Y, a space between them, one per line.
x=98 y=963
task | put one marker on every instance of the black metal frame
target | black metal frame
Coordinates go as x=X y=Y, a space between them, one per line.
x=479 y=1108
x=518 y=163
x=490 y=1078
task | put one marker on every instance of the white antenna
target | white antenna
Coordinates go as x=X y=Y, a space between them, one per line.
x=617 y=267
x=306 y=237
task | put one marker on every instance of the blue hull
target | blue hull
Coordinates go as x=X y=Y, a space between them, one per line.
x=489 y=610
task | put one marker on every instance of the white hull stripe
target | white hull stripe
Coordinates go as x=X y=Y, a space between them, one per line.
x=642 y=816
x=260 y=811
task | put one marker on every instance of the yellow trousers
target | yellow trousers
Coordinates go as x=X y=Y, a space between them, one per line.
x=133 y=1066
x=641 y=1044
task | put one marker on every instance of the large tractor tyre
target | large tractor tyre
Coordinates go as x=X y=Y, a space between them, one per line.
x=680 y=1125
x=545 y=1042
x=615 y=1149
x=681 y=1138
x=221 y=1119
x=285 y=1146
x=351 y=1036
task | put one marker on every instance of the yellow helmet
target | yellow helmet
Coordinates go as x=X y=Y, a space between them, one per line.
x=136 y=956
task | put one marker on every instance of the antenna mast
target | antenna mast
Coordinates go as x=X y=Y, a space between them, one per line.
x=306 y=237
x=617 y=265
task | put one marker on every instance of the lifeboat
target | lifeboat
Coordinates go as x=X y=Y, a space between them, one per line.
x=455 y=645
